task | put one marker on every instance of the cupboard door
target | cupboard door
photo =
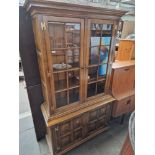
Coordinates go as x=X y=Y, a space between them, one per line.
x=97 y=119
x=98 y=50
x=64 y=39
x=68 y=133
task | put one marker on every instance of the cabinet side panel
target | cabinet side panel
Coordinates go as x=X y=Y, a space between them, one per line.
x=42 y=60
x=111 y=57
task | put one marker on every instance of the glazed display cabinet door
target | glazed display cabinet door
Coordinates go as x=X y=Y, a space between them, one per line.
x=98 y=50
x=64 y=39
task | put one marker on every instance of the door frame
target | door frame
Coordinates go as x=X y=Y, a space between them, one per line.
x=47 y=19
x=109 y=63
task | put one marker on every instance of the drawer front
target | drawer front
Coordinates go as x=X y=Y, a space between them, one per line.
x=123 y=106
x=123 y=80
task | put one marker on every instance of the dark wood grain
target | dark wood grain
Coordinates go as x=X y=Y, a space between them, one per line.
x=31 y=72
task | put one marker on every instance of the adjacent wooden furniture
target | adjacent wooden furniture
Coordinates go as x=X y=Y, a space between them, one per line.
x=128 y=28
x=122 y=86
x=126 y=50
x=127 y=148
x=75 y=47
x=28 y=56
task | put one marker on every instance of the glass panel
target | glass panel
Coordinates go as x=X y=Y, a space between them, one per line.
x=60 y=81
x=105 y=41
x=76 y=57
x=59 y=60
x=102 y=70
x=61 y=99
x=100 y=87
x=94 y=55
x=73 y=95
x=65 y=55
x=106 y=27
x=74 y=78
x=64 y=35
x=95 y=41
x=65 y=45
x=104 y=52
x=92 y=74
x=95 y=26
x=56 y=32
x=91 y=90
x=72 y=31
x=100 y=41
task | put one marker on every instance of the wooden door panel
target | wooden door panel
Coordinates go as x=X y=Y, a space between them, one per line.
x=123 y=106
x=73 y=131
x=66 y=140
x=77 y=135
x=93 y=115
x=77 y=122
x=123 y=80
x=102 y=112
x=101 y=122
x=65 y=128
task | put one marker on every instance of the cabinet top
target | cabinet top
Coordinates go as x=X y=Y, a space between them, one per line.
x=85 y=8
x=121 y=64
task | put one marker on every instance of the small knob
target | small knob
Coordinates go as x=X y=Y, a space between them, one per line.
x=56 y=129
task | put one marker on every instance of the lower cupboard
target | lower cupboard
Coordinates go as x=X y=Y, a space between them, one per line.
x=64 y=136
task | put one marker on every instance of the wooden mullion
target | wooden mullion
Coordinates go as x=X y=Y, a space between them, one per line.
x=67 y=88
x=81 y=61
x=103 y=79
x=111 y=53
x=86 y=55
x=72 y=131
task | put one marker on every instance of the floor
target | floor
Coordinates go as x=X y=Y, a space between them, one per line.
x=108 y=143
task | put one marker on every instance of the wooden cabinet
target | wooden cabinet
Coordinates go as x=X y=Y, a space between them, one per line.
x=127 y=147
x=126 y=50
x=125 y=105
x=123 y=86
x=75 y=49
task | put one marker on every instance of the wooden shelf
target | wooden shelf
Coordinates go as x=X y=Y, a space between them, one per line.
x=121 y=64
x=64 y=48
x=99 y=46
x=99 y=80
x=65 y=70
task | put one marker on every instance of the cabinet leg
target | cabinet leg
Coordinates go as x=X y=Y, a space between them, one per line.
x=122 y=119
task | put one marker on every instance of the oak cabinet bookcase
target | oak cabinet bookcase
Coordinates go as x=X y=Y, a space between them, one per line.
x=75 y=49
